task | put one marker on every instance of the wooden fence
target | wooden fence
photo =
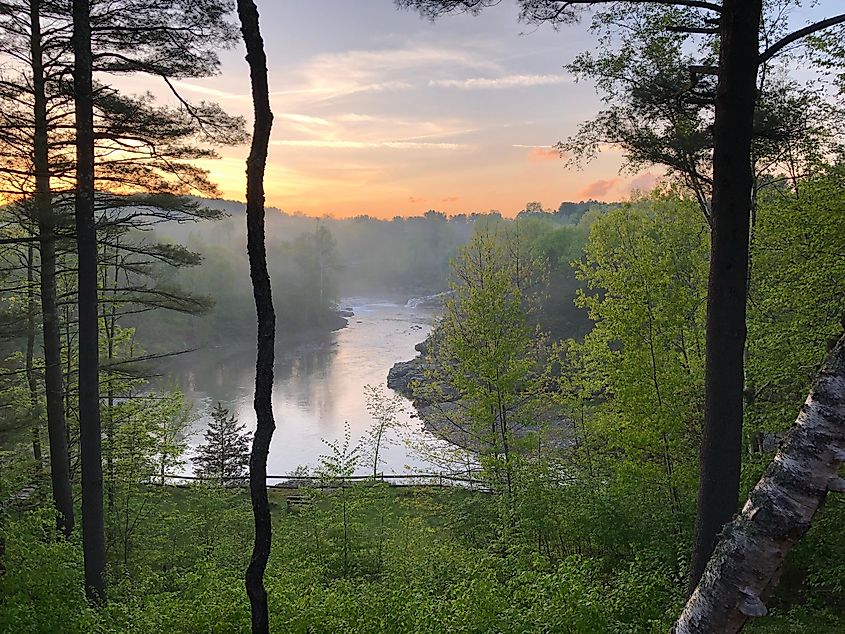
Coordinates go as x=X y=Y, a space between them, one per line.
x=322 y=482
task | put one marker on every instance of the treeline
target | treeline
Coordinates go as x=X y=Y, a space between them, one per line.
x=314 y=262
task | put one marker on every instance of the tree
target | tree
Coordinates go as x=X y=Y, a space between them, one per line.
x=797 y=298
x=316 y=254
x=487 y=364
x=747 y=561
x=383 y=409
x=266 y=339
x=93 y=532
x=224 y=457
x=653 y=75
x=642 y=363
x=737 y=24
x=39 y=167
x=36 y=145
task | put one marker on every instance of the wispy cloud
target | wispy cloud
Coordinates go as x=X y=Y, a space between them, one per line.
x=354 y=117
x=543 y=154
x=211 y=92
x=304 y=118
x=334 y=75
x=506 y=81
x=354 y=131
x=339 y=144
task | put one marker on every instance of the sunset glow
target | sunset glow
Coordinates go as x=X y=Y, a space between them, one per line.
x=380 y=112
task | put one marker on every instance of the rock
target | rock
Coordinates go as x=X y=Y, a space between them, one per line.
x=403 y=374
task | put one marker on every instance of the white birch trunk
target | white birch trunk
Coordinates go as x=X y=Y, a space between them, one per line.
x=748 y=559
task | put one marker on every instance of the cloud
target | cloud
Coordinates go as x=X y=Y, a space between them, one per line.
x=450 y=199
x=213 y=92
x=543 y=153
x=414 y=199
x=643 y=182
x=618 y=188
x=600 y=188
x=334 y=75
x=304 y=118
x=340 y=144
x=507 y=81
x=354 y=117
x=352 y=131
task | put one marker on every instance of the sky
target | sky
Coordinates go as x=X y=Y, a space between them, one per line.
x=381 y=112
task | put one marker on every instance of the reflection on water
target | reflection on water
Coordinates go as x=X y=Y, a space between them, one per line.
x=319 y=384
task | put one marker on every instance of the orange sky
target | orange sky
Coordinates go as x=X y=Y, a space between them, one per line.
x=338 y=186
x=380 y=112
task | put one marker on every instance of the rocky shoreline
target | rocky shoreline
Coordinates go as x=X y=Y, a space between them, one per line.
x=405 y=374
x=409 y=379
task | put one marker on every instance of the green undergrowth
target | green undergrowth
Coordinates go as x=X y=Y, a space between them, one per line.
x=364 y=559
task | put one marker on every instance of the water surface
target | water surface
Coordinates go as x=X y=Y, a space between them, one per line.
x=319 y=383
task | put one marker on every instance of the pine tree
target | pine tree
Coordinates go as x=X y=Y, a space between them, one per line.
x=224 y=457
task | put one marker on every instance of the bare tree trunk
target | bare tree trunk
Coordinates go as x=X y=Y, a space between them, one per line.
x=53 y=384
x=93 y=535
x=733 y=181
x=257 y=60
x=746 y=564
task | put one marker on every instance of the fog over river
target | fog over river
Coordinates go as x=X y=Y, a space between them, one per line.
x=319 y=383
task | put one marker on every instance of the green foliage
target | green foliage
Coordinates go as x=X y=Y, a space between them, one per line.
x=384 y=410
x=428 y=580
x=797 y=295
x=642 y=364
x=796 y=309
x=485 y=354
x=224 y=456
x=41 y=587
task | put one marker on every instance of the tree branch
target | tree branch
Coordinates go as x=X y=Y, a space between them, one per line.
x=778 y=46
x=708 y=30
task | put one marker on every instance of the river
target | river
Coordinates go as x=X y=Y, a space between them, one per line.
x=319 y=384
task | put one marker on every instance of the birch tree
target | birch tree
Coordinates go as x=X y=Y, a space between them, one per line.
x=746 y=563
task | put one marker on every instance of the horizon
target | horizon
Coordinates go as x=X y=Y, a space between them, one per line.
x=384 y=113
x=510 y=215
x=384 y=120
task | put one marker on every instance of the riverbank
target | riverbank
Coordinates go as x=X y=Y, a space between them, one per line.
x=440 y=407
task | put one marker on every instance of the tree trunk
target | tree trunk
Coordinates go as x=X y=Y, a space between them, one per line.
x=746 y=564
x=93 y=537
x=733 y=180
x=257 y=60
x=42 y=200
x=32 y=383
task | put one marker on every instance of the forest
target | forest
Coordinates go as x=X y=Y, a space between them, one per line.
x=629 y=412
